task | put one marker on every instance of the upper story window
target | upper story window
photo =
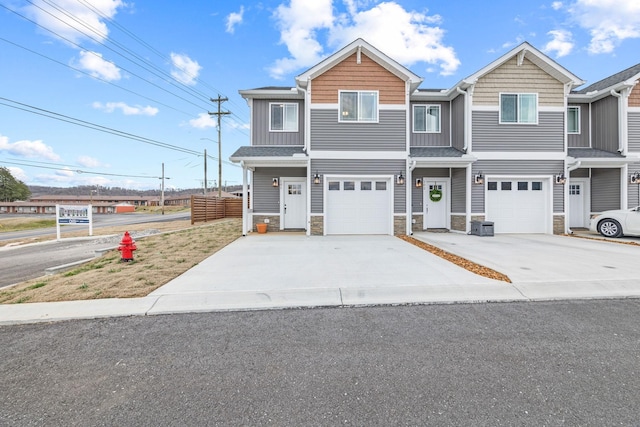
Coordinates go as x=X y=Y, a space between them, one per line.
x=358 y=106
x=519 y=108
x=573 y=120
x=283 y=117
x=426 y=118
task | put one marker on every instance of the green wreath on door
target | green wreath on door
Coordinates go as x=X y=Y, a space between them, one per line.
x=435 y=195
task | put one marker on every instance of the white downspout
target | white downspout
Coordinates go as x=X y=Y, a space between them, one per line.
x=306 y=139
x=466 y=109
x=245 y=197
x=467 y=227
x=622 y=121
x=409 y=183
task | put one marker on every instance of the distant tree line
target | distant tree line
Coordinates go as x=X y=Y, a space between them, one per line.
x=97 y=190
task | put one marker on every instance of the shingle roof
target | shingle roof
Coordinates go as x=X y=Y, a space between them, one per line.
x=611 y=80
x=267 y=151
x=435 y=152
x=592 y=153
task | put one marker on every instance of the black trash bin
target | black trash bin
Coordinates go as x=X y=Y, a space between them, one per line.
x=482 y=228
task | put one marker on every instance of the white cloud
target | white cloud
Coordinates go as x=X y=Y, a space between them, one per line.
x=127 y=110
x=73 y=24
x=609 y=22
x=93 y=63
x=234 y=19
x=18 y=173
x=204 y=121
x=561 y=43
x=185 y=69
x=408 y=36
x=556 y=5
x=30 y=149
x=88 y=162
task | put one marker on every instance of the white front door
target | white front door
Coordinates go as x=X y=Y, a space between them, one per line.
x=576 y=204
x=294 y=209
x=435 y=203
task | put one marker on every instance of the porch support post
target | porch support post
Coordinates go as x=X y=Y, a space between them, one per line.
x=469 y=180
x=245 y=198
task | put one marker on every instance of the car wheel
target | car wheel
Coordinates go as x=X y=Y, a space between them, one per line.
x=610 y=228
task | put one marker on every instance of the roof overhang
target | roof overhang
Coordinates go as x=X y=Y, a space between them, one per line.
x=602 y=93
x=444 y=162
x=602 y=162
x=292 y=93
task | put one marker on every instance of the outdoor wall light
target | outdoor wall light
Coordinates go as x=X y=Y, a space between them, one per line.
x=418 y=183
x=400 y=179
x=560 y=178
x=635 y=178
x=275 y=182
x=316 y=178
x=478 y=178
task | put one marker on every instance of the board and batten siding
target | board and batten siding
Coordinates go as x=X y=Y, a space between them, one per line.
x=349 y=75
x=389 y=134
x=605 y=189
x=266 y=198
x=459 y=190
x=516 y=168
x=604 y=130
x=489 y=135
x=355 y=168
x=440 y=139
x=634 y=132
x=417 y=193
x=580 y=140
x=457 y=122
x=511 y=78
x=260 y=126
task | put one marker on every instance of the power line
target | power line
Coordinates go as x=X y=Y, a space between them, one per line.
x=78 y=170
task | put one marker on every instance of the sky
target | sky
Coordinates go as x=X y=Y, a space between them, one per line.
x=104 y=92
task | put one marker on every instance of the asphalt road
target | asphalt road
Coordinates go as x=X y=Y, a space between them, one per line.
x=524 y=364
x=21 y=263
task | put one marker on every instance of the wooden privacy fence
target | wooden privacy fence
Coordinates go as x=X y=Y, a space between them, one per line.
x=205 y=209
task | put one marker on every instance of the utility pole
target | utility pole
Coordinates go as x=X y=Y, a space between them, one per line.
x=219 y=113
x=162 y=189
x=205 y=172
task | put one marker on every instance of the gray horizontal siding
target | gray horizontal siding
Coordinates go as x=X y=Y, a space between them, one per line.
x=581 y=140
x=605 y=189
x=634 y=132
x=458 y=190
x=260 y=125
x=633 y=190
x=604 y=130
x=489 y=135
x=417 y=193
x=516 y=168
x=266 y=198
x=433 y=139
x=389 y=134
x=580 y=173
x=358 y=167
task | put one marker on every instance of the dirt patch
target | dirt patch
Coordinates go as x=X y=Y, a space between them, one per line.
x=158 y=259
x=457 y=260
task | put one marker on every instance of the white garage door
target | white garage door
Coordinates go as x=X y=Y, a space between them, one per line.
x=518 y=205
x=358 y=206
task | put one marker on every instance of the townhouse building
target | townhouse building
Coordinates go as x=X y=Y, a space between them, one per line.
x=357 y=147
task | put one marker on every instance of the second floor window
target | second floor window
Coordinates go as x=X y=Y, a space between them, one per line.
x=426 y=118
x=573 y=120
x=519 y=108
x=284 y=117
x=358 y=106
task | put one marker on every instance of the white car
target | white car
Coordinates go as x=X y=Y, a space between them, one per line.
x=623 y=222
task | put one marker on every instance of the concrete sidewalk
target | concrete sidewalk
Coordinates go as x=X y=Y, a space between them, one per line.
x=277 y=270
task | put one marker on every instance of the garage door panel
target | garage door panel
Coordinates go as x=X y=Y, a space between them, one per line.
x=518 y=205
x=358 y=206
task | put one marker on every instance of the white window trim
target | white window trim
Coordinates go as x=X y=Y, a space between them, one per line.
x=518 y=122
x=340 y=92
x=427 y=106
x=579 y=121
x=283 y=112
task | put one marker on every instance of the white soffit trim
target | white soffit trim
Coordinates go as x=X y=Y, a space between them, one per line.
x=356 y=155
x=271 y=161
x=606 y=162
x=443 y=162
x=519 y=155
x=337 y=107
x=634 y=109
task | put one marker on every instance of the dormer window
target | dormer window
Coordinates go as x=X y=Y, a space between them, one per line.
x=284 y=117
x=358 y=106
x=519 y=108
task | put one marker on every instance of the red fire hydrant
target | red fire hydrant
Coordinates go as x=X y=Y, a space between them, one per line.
x=127 y=246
